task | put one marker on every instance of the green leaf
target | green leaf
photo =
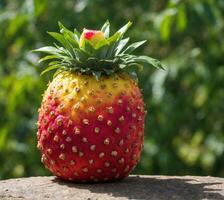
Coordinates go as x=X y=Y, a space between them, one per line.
x=152 y=61
x=58 y=37
x=50 y=68
x=49 y=50
x=123 y=30
x=48 y=58
x=97 y=74
x=121 y=45
x=106 y=29
x=133 y=46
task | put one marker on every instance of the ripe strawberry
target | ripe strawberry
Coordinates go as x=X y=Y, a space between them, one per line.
x=91 y=121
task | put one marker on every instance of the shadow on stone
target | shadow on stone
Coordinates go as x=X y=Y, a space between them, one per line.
x=154 y=188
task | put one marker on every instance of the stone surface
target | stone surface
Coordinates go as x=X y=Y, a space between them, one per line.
x=133 y=187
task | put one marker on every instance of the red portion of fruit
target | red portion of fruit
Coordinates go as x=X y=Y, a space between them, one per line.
x=88 y=34
x=97 y=146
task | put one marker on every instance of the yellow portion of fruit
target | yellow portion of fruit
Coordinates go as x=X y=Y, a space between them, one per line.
x=74 y=91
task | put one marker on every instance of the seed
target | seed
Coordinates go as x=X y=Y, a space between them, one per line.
x=56 y=138
x=68 y=139
x=70 y=99
x=74 y=149
x=77 y=130
x=121 y=119
x=72 y=162
x=77 y=89
x=128 y=109
x=120 y=101
x=84 y=140
x=101 y=155
x=110 y=110
x=109 y=123
x=62 y=146
x=85 y=169
x=103 y=86
x=97 y=130
x=114 y=170
x=93 y=147
x=114 y=153
x=76 y=106
x=59 y=122
x=45 y=121
x=91 y=161
x=109 y=94
x=64 y=132
x=52 y=113
x=100 y=118
x=76 y=174
x=99 y=170
x=81 y=154
x=83 y=99
x=126 y=168
x=127 y=150
x=62 y=156
x=49 y=130
x=117 y=130
x=65 y=169
x=121 y=142
x=52 y=162
x=85 y=121
x=43 y=158
x=91 y=109
x=106 y=141
x=49 y=151
x=120 y=161
x=139 y=119
x=134 y=115
x=107 y=164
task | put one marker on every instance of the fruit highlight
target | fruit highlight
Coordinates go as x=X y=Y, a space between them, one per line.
x=91 y=120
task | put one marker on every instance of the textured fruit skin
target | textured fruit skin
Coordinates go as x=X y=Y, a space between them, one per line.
x=91 y=130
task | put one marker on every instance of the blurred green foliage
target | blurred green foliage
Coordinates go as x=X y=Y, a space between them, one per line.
x=185 y=122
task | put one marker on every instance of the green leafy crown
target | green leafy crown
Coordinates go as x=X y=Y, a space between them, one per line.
x=110 y=55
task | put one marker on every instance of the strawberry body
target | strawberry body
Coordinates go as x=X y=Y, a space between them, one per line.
x=91 y=130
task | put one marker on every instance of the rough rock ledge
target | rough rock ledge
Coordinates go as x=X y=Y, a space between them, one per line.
x=133 y=187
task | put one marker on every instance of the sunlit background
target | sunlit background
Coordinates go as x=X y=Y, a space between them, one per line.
x=185 y=122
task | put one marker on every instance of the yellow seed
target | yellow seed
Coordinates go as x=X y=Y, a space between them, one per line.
x=117 y=130
x=110 y=110
x=72 y=162
x=106 y=141
x=107 y=164
x=93 y=147
x=113 y=153
x=121 y=142
x=62 y=156
x=56 y=138
x=91 y=161
x=121 y=161
x=81 y=154
x=68 y=139
x=91 y=109
x=97 y=130
x=85 y=121
x=121 y=119
x=109 y=123
x=77 y=130
x=101 y=155
x=49 y=151
x=74 y=149
x=84 y=140
x=100 y=118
